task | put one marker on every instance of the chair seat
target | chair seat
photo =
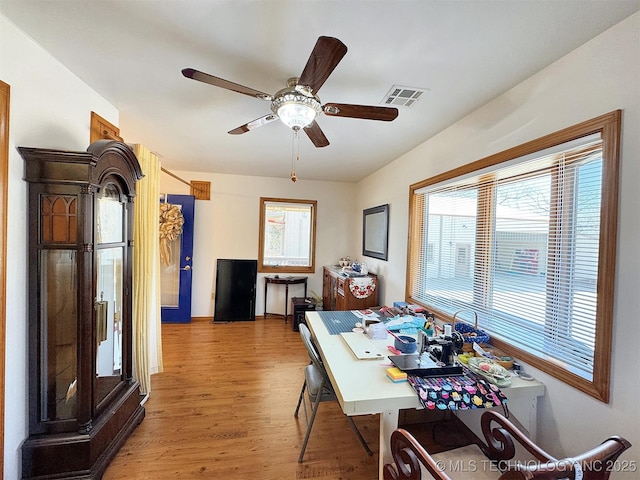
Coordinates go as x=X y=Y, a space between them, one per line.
x=465 y=463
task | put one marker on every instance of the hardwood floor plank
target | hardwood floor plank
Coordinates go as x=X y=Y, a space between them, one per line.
x=223 y=408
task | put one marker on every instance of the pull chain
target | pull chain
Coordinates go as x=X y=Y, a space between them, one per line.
x=295 y=153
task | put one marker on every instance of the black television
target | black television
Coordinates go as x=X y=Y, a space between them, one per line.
x=235 y=294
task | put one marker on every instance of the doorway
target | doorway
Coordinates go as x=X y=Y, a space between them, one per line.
x=176 y=257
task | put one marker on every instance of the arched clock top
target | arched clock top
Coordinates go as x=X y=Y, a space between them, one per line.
x=115 y=157
x=102 y=159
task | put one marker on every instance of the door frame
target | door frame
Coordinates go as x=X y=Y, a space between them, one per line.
x=5 y=91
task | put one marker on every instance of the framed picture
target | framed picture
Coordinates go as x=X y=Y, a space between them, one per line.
x=375 y=232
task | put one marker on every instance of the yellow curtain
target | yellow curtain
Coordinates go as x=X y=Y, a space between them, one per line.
x=147 y=348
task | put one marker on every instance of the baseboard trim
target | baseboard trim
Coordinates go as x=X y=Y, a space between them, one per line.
x=210 y=319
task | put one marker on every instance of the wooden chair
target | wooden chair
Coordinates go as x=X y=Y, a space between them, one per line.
x=495 y=459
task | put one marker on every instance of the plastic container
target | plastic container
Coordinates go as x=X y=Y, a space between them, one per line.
x=498 y=356
x=411 y=345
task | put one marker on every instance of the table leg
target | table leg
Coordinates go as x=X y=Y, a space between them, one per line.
x=388 y=423
x=265 y=298
x=286 y=301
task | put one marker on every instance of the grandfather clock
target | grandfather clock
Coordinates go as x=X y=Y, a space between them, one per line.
x=83 y=401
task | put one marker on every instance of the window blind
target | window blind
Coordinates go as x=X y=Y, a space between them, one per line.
x=518 y=243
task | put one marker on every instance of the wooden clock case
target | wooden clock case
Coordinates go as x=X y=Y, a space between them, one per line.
x=83 y=400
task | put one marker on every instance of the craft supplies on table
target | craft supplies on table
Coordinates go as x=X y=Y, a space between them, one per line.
x=396 y=375
x=461 y=392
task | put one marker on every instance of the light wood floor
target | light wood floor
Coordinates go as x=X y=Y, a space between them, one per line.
x=223 y=409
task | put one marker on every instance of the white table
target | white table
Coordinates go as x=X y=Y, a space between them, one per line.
x=363 y=388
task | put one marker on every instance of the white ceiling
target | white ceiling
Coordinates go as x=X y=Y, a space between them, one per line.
x=464 y=53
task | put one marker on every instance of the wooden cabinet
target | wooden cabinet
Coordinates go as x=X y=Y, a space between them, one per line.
x=83 y=401
x=340 y=292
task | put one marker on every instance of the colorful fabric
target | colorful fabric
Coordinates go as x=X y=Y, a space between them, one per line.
x=406 y=324
x=463 y=392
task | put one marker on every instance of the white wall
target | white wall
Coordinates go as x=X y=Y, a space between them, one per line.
x=50 y=107
x=227 y=227
x=601 y=76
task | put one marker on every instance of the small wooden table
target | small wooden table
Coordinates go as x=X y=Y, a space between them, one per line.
x=286 y=281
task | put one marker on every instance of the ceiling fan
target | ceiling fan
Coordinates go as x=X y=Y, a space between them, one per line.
x=297 y=105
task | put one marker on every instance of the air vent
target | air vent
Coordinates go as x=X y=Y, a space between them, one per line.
x=402 y=96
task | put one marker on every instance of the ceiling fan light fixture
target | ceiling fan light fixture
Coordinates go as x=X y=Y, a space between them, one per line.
x=295 y=109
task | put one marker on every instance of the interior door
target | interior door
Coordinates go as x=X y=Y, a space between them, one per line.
x=176 y=256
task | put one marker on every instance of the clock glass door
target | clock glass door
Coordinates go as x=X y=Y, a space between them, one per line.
x=58 y=340
x=109 y=300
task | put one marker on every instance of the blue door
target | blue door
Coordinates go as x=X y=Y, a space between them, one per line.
x=176 y=256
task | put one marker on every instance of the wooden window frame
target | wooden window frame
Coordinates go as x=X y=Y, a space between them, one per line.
x=609 y=127
x=312 y=236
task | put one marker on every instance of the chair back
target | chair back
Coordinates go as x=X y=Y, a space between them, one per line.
x=314 y=356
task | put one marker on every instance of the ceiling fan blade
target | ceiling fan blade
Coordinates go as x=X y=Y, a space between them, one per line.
x=386 y=114
x=222 y=83
x=324 y=58
x=258 y=122
x=316 y=135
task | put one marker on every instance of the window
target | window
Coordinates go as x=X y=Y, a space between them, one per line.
x=526 y=239
x=287 y=235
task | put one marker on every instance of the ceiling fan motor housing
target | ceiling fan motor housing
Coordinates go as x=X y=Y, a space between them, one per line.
x=296 y=107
